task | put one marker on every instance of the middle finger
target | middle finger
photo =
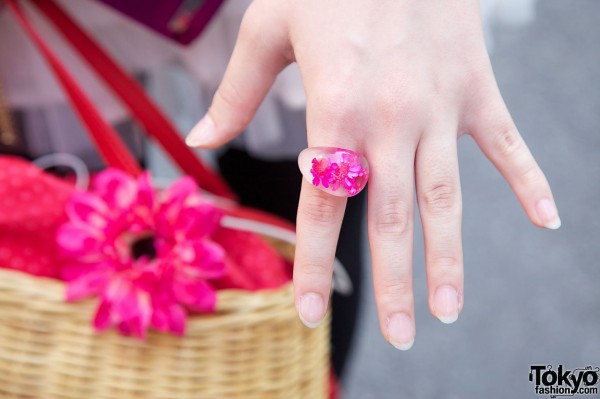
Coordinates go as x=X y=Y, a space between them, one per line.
x=440 y=207
x=391 y=220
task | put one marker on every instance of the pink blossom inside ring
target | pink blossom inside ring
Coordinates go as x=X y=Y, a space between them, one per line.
x=337 y=171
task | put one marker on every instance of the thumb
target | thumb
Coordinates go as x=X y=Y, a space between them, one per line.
x=262 y=50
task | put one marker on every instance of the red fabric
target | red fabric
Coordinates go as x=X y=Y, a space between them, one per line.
x=252 y=263
x=334 y=388
x=31 y=209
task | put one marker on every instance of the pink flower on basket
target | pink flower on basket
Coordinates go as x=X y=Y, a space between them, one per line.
x=147 y=254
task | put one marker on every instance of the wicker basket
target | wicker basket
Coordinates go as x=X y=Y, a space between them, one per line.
x=253 y=347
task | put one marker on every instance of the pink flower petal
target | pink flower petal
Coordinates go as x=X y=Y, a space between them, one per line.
x=116 y=188
x=199 y=221
x=80 y=242
x=135 y=326
x=198 y=295
x=127 y=301
x=102 y=319
x=180 y=190
x=160 y=319
x=203 y=259
x=145 y=191
x=147 y=276
x=143 y=208
x=126 y=328
x=169 y=317
x=88 y=285
x=174 y=197
x=88 y=210
x=178 y=320
x=131 y=309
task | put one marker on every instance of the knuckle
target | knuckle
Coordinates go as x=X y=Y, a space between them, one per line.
x=396 y=288
x=236 y=115
x=531 y=174
x=321 y=210
x=445 y=263
x=389 y=107
x=477 y=72
x=314 y=269
x=393 y=219
x=336 y=105
x=508 y=142
x=440 y=197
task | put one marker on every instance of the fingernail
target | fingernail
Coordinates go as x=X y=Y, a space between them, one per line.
x=548 y=214
x=337 y=171
x=201 y=133
x=401 y=332
x=311 y=309
x=446 y=304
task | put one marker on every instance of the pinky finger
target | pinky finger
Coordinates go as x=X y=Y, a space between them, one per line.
x=497 y=136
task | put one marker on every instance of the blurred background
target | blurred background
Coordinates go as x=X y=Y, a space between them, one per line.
x=532 y=296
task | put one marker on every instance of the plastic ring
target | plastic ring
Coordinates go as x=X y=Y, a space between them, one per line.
x=337 y=171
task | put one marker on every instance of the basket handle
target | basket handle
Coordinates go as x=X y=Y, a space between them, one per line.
x=148 y=115
x=106 y=140
x=111 y=148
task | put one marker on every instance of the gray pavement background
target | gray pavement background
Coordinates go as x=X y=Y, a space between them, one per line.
x=532 y=296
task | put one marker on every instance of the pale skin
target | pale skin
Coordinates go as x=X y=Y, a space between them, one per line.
x=398 y=81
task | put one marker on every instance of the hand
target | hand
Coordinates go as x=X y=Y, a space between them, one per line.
x=398 y=81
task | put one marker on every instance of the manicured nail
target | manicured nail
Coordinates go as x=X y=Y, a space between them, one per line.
x=311 y=309
x=548 y=214
x=446 y=304
x=201 y=133
x=337 y=171
x=401 y=331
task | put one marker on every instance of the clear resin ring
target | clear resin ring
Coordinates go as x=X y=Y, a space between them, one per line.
x=336 y=171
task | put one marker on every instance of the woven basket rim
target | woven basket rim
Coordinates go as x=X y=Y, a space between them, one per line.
x=55 y=290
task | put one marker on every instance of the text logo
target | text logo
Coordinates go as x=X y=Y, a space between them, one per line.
x=563 y=382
